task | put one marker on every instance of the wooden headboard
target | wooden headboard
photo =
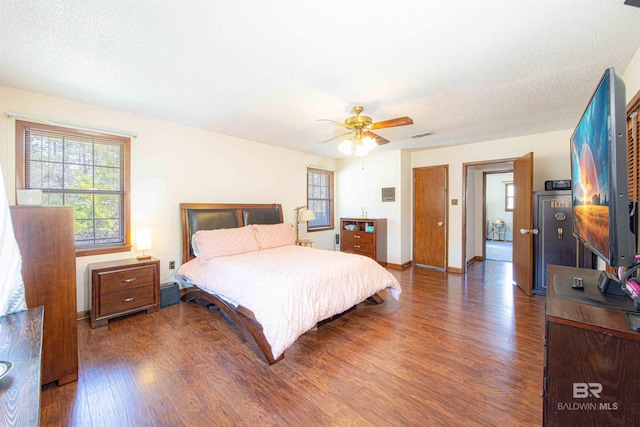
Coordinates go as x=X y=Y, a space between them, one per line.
x=208 y=216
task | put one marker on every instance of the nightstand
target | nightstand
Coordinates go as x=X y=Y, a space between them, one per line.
x=123 y=287
x=304 y=242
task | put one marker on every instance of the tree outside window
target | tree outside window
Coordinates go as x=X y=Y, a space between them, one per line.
x=84 y=170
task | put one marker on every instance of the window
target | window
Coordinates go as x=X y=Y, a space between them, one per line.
x=84 y=170
x=320 y=198
x=509 y=196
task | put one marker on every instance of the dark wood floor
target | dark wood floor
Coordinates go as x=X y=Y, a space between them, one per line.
x=453 y=351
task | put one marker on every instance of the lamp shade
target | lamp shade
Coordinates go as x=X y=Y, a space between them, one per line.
x=143 y=239
x=307 y=215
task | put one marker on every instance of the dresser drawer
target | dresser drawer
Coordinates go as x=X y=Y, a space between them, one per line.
x=118 y=280
x=365 y=248
x=125 y=300
x=357 y=238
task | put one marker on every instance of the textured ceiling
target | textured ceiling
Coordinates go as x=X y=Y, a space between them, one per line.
x=467 y=71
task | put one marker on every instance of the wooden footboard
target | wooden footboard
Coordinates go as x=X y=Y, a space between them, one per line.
x=246 y=322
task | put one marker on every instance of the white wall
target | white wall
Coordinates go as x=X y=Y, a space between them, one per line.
x=361 y=183
x=551 y=161
x=631 y=76
x=173 y=164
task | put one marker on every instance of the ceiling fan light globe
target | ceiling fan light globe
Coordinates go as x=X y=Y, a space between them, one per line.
x=345 y=146
x=364 y=147
x=368 y=143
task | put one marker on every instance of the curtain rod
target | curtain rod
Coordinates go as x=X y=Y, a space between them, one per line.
x=320 y=167
x=45 y=120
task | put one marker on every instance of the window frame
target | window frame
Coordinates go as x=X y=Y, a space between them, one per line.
x=331 y=175
x=21 y=128
x=633 y=147
x=508 y=197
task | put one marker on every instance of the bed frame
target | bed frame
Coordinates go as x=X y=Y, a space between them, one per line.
x=205 y=216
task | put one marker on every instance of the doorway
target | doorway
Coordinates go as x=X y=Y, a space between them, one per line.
x=498 y=201
x=473 y=221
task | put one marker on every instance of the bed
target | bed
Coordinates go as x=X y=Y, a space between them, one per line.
x=243 y=259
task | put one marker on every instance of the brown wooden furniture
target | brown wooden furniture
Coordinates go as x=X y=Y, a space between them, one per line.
x=207 y=216
x=21 y=344
x=123 y=287
x=46 y=239
x=591 y=375
x=369 y=238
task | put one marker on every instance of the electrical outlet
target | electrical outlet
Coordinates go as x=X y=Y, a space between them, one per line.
x=172 y=265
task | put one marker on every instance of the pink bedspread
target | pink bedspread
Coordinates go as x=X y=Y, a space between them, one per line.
x=291 y=288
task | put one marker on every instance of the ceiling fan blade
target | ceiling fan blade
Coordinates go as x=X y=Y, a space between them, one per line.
x=400 y=121
x=334 y=122
x=379 y=140
x=335 y=137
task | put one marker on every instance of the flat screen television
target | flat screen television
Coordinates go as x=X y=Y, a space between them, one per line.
x=603 y=215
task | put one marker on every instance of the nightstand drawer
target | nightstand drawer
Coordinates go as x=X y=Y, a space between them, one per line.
x=125 y=300
x=118 y=280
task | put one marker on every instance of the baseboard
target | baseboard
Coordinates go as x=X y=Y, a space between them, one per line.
x=83 y=314
x=400 y=266
x=474 y=259
x=454 y=270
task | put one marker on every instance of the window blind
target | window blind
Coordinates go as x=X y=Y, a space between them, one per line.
x=320 y=198
x=633 y=148
x=86 y=173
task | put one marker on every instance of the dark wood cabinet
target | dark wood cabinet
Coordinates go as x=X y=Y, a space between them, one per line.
x=123 y=287
x=554 y=243
x=590 y=370
x=46 y=239
x=364 y=236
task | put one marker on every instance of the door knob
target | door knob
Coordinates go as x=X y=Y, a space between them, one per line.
x=440 y=223
x=525 y=231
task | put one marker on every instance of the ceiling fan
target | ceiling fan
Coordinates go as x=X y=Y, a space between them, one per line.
x=363 y=140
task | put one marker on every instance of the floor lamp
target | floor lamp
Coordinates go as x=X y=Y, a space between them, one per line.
x=303 y=215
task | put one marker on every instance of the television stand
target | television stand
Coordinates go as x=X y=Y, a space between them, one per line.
x=590 y=371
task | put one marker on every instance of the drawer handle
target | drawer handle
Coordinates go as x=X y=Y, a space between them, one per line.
x=133 y=279
x=356 y=237
x=356 y=246
x=128 y=299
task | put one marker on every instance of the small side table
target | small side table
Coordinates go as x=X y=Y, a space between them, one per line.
x=123 y=287
x=305 y=242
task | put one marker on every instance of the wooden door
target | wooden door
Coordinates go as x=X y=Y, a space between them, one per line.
x=523 y=223
x=430 y=217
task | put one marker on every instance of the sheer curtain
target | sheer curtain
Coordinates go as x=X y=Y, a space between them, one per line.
x=11 y=284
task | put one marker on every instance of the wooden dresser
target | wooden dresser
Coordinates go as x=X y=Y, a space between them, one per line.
x=46 y=239
x=365 y=236
x=21 y=344
x=123 y=287
x=591 y=359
